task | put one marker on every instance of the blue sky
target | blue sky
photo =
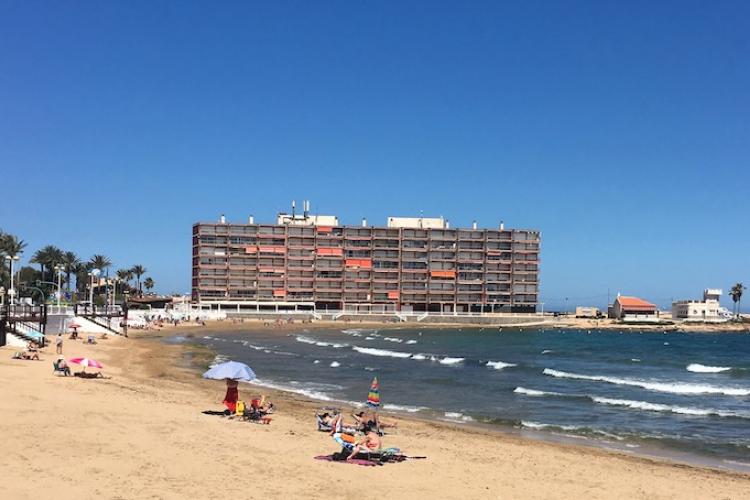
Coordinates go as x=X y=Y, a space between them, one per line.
x=620 y=130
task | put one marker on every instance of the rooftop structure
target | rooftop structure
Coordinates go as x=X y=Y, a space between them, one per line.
x=411 y=264
x=707 y=310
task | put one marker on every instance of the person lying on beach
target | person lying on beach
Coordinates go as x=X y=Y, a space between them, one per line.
x=370 y=443
x=88 y=375
x=362 y=420
x=30 y=355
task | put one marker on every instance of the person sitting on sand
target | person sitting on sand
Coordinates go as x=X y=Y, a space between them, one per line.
x=30 y=353
x=62 y=366
x=370 y=443
x=90 y=339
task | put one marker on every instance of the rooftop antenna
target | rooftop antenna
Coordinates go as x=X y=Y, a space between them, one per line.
x=306 y=207
x=294 y=205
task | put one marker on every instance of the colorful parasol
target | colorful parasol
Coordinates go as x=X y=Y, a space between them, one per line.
x=373 y=397
x=85 y=362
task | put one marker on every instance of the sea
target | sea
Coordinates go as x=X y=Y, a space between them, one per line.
x=684 y=396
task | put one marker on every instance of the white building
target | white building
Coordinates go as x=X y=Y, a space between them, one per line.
x=706 y=310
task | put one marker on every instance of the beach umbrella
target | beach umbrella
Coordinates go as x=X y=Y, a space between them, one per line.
x=84 y=362
x=373 y=397
x=233 y=370
x=74 y=325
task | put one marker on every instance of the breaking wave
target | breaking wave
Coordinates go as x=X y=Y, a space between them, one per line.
x=698 y=368
x=319 y=343
x=670 y=387
x=499 y=365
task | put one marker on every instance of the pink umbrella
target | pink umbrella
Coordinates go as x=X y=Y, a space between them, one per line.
x=74 y=325
x=84 y=362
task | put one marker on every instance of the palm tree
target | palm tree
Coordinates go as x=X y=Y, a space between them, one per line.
x=736 y=294
x=71 y=261
x=47 y=257
x=100 y=262
x=148 y=283
x=10 y=246
x=139 y=271
x=82 y=275
x=125 y=275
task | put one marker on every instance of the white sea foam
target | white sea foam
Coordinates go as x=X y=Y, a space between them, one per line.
x=537 y=425
x=316 y=361
x=458 y=417
x=643 y=405
x=671 y=387
x=499 y=365
x=310 y=393
x=698 y=368
x=533 y=392
x=381 y=352
x=635 y=360
x=369 y=338
x=335 y=364
x=393 y=339
x=547 y=351
x=310 y=340
x=411 y=341
x=406 y=408
x=451 y=361
x=419 y=357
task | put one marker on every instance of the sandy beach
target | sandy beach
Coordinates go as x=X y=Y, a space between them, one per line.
x=140 y=433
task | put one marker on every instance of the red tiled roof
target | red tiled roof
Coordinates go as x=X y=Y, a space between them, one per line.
x=634 y=303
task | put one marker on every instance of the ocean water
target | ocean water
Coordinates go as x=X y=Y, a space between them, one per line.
x=687 y=393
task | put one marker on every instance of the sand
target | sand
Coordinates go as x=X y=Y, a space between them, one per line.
x=141 y=434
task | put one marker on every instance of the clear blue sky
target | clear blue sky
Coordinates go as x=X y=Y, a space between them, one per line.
x=619 y=129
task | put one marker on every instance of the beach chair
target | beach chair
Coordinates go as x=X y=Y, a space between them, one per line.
x=56 y=369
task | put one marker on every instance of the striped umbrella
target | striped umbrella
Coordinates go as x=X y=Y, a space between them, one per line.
x=84 y=362
x=373 y=397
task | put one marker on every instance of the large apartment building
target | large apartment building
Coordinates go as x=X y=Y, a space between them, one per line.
x=409 y=265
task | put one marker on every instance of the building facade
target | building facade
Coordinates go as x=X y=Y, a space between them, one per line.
x=706 y=310
x=633 y=309
x=409 y=265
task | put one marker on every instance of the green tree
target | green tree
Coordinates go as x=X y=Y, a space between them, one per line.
x=47 y=257
x=126 y=275
x=736 y=293
x=139 y=271
x=100 y=262
x=71 y=262
x=148 y=283
x=10 y=246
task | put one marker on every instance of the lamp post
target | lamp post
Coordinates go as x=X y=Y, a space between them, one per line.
x=2 y=296
x=59 y=268
x=12 y=291
x=94 y=273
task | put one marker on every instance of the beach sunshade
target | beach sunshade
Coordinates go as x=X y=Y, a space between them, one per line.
x=373 y=397
x=85 y=362
x=74 y=325
x=231 y=370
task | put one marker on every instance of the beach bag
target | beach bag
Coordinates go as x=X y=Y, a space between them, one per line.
x=240 y=408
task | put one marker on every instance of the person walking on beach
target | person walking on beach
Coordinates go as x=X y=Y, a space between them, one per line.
x=59 y=343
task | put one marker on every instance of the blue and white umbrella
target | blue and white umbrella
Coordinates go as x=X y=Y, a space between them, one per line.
x=230 y=370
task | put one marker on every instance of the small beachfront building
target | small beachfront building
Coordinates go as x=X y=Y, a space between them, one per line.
x=706 y=310
x=587 y=312
x=633 y=309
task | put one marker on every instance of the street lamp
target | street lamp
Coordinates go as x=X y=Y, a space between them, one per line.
x=114 y=291
x=59 y=268
x=12 y=291
x=94 y=273
x=2 y=296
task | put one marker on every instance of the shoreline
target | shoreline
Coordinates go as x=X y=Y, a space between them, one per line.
x=141 y=434
x=649 y=451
